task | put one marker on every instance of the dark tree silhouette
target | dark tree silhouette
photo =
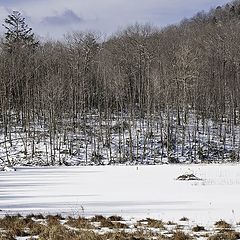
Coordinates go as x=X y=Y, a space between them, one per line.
x=18 y=34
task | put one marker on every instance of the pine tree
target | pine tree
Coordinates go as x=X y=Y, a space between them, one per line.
x=18 y=35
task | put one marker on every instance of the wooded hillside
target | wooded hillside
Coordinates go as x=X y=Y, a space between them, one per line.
x=143 y=94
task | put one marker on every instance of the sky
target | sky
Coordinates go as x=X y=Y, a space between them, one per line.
x=53 y=18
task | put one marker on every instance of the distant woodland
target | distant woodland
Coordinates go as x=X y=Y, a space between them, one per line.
x=142 y=95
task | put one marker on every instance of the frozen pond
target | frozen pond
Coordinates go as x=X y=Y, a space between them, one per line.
x=130 y=191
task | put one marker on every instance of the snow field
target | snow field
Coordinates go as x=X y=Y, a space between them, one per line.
x=129 y=191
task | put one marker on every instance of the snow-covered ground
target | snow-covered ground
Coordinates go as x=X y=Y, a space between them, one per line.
x=120 y=140
x=129 y=191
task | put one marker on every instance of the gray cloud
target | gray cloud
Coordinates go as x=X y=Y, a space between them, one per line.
x=66 y=18
x=56 y=17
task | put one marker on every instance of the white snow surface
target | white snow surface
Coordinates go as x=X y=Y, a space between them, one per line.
x=129 y=191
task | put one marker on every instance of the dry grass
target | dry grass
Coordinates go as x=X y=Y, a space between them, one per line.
x=155 y=223
x=108 y=223
x=171 y=223
x=138 y=235
x=58 y=228
x=15 y=226
x=184 y=219
x=53 y=220
x=179 y=235
x=57 y=232
x=115 y=218
x=198 y=228
x=6 y=236
x=222 y=224
x=80 y=222
x=150 y=223
x=230 y=235
x=98 y=218
x=35 y=216
x=19 y=226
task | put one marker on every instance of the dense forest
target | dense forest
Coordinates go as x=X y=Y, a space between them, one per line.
x=143 y=95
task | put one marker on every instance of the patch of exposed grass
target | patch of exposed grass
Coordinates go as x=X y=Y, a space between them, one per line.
x=15 y=225
x=198 y=228
x=171 y=223
x=19 y=226
x=57 y=228
x=155 y=223
x=54 y=220
x=62 y=233
x=222 y=224
x=151 y=223
x=137 y=235
x=36 y=228
x=108 y=223
x=115 y=218
x=230 y=235
x=80 y=222
x=35 y=216
x=184 y=219
x=57 y=232
x=6 y=236
x=179 y=235
x=98 y=218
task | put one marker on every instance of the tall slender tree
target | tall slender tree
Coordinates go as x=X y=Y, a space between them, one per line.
x=18 y=34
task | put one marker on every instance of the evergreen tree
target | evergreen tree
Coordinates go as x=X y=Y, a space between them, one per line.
x=18 y=34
